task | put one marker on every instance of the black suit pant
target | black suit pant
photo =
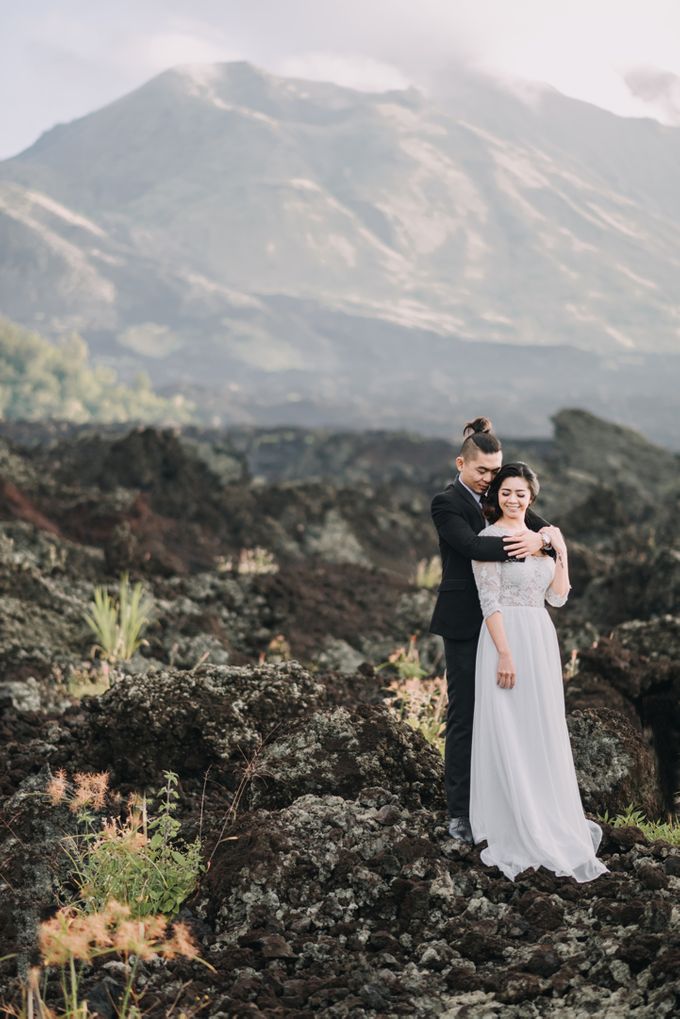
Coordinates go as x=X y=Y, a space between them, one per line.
x=460 y=657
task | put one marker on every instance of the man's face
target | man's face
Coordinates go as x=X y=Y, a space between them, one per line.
x=478 y=472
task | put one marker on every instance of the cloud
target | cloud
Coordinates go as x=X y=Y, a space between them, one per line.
x=63 y=60
x=660 y=90
x=168 y=49
x=585 y=49
x=351 y=70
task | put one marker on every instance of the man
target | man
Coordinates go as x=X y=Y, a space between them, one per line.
x=457 y=616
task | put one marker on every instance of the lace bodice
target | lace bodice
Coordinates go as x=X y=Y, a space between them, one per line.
x=519 y=583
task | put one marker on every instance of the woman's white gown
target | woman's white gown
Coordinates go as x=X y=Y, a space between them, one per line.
x=524 y=795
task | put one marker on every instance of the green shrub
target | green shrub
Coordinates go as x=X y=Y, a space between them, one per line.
x=118 y=625
x=42 y=379
x=140 y=862
x=664 y=831
x=414 y=699
x=405 y=660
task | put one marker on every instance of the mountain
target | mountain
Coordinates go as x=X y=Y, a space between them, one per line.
x=288 y=250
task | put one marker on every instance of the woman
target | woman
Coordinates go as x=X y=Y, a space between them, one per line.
x=524 y=796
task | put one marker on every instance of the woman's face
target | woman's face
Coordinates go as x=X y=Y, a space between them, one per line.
x=514 y=496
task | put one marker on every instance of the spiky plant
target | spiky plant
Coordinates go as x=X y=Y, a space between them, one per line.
x=118 y=624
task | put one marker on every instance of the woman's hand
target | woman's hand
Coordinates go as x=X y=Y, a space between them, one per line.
x=556 y=539
x=506 y=671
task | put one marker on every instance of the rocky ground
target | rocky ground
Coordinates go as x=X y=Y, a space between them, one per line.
x=338 y=890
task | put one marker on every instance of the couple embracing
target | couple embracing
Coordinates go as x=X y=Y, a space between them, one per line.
x=509 y=772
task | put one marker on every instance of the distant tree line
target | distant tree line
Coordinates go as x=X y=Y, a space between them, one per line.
x=40 y=379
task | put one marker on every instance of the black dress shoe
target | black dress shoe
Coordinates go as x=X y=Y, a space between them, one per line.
x=459 y=828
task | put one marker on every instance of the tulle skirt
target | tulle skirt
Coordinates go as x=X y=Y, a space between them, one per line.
x=524 y=795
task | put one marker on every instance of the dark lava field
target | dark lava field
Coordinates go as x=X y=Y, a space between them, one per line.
x=333 y=887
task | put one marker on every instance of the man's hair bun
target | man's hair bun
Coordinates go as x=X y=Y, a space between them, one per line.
x=479 y=438
x=478 y=425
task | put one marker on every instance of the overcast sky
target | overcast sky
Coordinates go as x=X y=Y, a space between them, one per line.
x=59 y=60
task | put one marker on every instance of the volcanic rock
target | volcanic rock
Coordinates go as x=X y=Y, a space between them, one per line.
x=614 y=763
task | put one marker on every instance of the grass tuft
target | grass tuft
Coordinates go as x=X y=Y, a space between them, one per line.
x=654 y=831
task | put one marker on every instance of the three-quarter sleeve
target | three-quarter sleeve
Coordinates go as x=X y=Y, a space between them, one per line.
x=555 y=599
x=488 y=580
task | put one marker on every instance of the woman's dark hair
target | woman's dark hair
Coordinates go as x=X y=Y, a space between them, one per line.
x=479 y=437
x=492 y=510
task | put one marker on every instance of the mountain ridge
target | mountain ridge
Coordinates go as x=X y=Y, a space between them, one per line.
x=229 y=217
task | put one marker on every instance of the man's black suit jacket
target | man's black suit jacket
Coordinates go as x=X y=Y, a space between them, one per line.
x=458 y=518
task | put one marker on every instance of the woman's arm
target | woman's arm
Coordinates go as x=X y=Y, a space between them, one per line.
x=559 y=589
x=488 y=579
x=505 y=674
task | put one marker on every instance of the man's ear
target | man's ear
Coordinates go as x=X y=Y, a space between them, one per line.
x=460 y=463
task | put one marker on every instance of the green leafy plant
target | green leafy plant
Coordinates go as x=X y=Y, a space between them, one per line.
x=414 y=699
x=132 y=877
x=422 y=705
x=406 y=661
x=118 y=625
x=632 y=817
x=141 y=861
x=85 y=679
x=278 y=650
